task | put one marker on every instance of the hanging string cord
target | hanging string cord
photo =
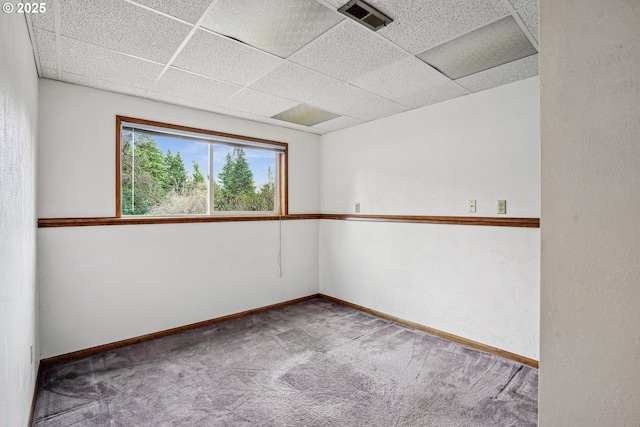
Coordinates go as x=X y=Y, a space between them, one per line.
x=280 y=247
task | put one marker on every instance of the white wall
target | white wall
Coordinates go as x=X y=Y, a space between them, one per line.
x=77 y=151
x=18 y=126
x=481 y=283
x=103 y=284
x=590 y=260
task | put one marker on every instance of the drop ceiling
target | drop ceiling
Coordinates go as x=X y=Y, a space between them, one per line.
x=278 y=60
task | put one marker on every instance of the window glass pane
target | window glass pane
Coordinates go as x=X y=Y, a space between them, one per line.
x=245 y=179
x=163 y=175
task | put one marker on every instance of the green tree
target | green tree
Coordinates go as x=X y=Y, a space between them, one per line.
x=236 y=182
x=176 y=173
x=197 y=175
x=266 y=197
x=236 y=177
x=143 y=174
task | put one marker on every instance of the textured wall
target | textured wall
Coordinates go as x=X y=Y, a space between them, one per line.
x=104 y=284
x=480 y=283
x=18 y=124
x=590 y=258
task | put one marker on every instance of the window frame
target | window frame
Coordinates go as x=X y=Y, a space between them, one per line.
x=282 y=176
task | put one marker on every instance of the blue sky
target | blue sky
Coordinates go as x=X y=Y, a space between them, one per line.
x=259 y=160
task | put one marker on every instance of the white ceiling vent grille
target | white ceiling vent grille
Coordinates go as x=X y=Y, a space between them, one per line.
x=365 y=14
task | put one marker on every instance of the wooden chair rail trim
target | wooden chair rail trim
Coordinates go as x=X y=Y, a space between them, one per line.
x=100 y=221
x=416 y=219
x=460 y=340
x=454 y=220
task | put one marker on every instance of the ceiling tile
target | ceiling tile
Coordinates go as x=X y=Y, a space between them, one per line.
x=196 y=88
x=337 y=3
x=298 y=83
x=517 y=4
x=281 y=123
x=341 y=122
x=102 y=84
x=346 y=99
x=187 y=10
x=44 y=21
x=294 y=82
x=178 y=100
x=529 y=15
x=224 y=59
x=280 y=27
x=400 y=78
x=184 y=102
x=263 y=104
x=46 y=43
x=96 y=62
x=437 y=93
x=487 y=47
x=347 y=51
x=49 y=73
x=507 y=73
x=305 y=115
x=121 y=26
x=421 y=24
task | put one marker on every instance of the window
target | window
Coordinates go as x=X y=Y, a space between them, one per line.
x=168 y=170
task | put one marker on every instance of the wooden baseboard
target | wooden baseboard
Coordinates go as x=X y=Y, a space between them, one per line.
x=111 y=346
x=135 y=340
x=464 y=341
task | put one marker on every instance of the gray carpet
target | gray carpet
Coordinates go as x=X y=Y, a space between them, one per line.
x=315 y=363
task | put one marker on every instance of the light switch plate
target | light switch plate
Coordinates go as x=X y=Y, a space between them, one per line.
x=471 y=206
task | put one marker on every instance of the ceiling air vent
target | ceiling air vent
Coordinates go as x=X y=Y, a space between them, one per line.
x=367 y=15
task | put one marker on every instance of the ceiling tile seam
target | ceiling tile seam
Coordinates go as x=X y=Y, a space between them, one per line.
x=295 y=126
x=206 y=30
x=166 y=15
x=462 y=87
x=297 y=101
x=114 y=51
x=317 y=37
x=295 y=64
x=526 y=30
x=182 y=45
x=521 y=24
x=231 y=110
x=497 y=66
x=34 y=47
x=346 y=21
x=240 y=87
x=57 y=26
x=525 y=5
x=327 y=4
x=413 y=92
x=101 y=80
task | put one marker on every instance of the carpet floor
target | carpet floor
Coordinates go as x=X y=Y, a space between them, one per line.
x=314 y=363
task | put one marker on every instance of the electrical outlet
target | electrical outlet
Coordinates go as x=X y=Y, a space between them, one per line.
x=357 y=207
x=471 y=206
x=502 y=207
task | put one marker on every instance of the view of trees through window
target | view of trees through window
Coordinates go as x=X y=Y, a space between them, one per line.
x=167 y=175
